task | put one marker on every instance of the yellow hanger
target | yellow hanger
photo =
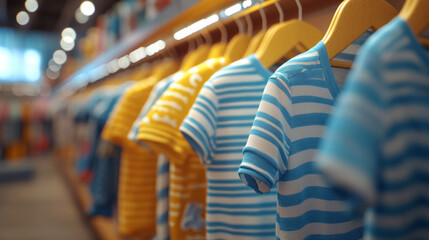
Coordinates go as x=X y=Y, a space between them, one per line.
x=236 y=47
x=283 y=37
x=195 y=57
x=416 y=13
x=218 y=49
x=351 y=20
x=165 y=69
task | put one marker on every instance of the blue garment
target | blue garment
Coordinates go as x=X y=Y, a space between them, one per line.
x=217 y=128
x=376 y=147
x=282 y=146
x=104 y=187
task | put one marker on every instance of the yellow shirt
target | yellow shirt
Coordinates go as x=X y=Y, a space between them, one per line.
x=137 y=192
x=160 y=131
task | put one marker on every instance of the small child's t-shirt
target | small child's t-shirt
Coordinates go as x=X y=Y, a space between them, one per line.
x=159 y=130
x=217 y=127
x=282 y=146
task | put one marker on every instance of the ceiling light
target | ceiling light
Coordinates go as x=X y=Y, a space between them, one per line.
x=124 y=62
x=247 y=3
x=31 y=5
x=155 y=47
x=59 y=57
x=22 y=18
x=138 y=54
x=195 y=27
x=87 y=8
x=52 y=75
x=53 y=66
x=66 y=45
x=68 y=32
x=233 y=9
x=80 y=18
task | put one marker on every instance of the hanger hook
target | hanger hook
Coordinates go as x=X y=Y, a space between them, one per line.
x=263 y=16
x=298 y=3
x=239 y=25
x=249 y=25
x=280 y=10
x=223 y=32
x=207 y=36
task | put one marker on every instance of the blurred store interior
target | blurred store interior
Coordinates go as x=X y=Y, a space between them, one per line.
x=75 y=81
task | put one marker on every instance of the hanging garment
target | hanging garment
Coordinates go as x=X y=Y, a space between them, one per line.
x=282 y=146
x=159 y=130
x=136 y=200
x=376 y=146
x=217 y=128
x=135 y=172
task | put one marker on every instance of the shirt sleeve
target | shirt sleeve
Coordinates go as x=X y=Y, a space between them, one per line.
x=199 y=126
x=351 y=146
x=265 y=156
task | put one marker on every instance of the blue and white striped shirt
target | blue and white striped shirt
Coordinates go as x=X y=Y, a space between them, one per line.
x=283 y=144
x=376 y=147
x=217 y=127
x=163 y=165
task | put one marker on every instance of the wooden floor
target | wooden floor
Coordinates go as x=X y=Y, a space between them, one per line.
x=41 y=208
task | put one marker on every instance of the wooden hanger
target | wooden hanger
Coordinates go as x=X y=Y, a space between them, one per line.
x=255 y=42
x=416 y=13
x=351 y=20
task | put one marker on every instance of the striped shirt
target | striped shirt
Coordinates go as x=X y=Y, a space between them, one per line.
x=217 y=127
x=162 y=178
x=282 y=146
x=376 y=147
x=159 y=130
x=136 y=201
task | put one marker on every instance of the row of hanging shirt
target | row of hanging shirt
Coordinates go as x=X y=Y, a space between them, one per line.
x=193 y=142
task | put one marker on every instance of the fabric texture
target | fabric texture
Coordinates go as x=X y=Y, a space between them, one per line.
x=217 y=128
x=376 y=147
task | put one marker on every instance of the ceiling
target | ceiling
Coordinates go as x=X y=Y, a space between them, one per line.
x=51 y=16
